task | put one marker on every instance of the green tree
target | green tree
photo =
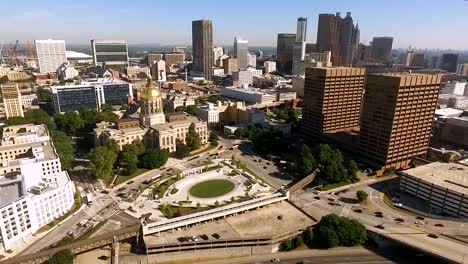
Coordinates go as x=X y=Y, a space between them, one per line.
x=102 y=161
x=16 y=120
x=361 y=196
x=38 y=117
x=191 y=110
x=62 y=257
x=213 y=139
x=306 y=162
x=327 y=237
x=64 y=147
x=69 y=122
x=293 y=116
x=128 y=157
x=154 y=158
x=352 y=169
x=308 y=236
x=182 y=150
x=333 y=230
x=43 y=94
x=192 y=139
x=286 y=245
x=332 y=168
x=181 y=108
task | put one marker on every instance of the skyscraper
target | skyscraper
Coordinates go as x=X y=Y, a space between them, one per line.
x=332 y=99
x=241 y=50
x=301 y=29
x=396 y=119
x=449 y=62
x=12 y=100
x=230 y=65
x=340 y=36
x=110 y=54
x=50 y=54
x=284 y=52
x=382 y=49
x=299 y=48
x=202 y=45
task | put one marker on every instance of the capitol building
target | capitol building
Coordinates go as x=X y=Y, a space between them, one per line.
x=154 y=128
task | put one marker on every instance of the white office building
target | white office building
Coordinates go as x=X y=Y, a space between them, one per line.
x=217 y=56
x=159 y=71
x=252 y=60
x=245 y=77
x=249 y=95
x=270 y=66
x=33 y=188
x=110 y=54
x=241 y=51
x=209 y=113
x=50 y=54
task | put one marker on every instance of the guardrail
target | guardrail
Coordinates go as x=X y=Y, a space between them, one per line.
x=151 y=228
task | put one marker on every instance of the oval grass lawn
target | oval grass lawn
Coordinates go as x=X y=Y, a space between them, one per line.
x=211 y=188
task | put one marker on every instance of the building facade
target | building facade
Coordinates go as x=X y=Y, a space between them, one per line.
x=249 y=95
x=230 y=65
x=110 y=54
x=152 y=58
x=382 y=49
x=245 y=77
x=174 y=58
x=270 y=66
x=12 y=100
x=284 y=52
x=202 y=44
x=332 y=100
x=33 y=188
x=159 y=71
x=397 y=115
x=50 y=54
x=241 y=51
x=449 y=62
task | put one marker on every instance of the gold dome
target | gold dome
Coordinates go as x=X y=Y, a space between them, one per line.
x=151 y=91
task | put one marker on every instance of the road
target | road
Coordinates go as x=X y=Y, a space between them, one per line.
x=407 y=232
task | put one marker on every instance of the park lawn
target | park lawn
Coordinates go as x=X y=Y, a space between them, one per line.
x=211 y=188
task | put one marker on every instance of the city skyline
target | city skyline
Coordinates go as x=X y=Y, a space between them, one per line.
x=167 y=22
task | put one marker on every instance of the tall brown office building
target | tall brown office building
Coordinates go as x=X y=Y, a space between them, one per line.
x=397 y=115
x=340 y=36
x=284 y=52
x=230 y=65
x=202 y=45
x=382 y=49
x=332 y=100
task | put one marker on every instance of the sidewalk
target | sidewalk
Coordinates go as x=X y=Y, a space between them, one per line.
x=289 y=255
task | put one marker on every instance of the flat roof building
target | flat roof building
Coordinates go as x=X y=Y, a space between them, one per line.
x=444 y=186
x=12 y=100
x=397 y=115
x=110 y=54
x=50 y=54
x=202 y=45
x=332 y=99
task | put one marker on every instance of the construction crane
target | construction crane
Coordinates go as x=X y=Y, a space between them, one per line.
x=14 y=61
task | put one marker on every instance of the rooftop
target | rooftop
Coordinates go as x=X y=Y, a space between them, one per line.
x=446 y=175
x=75 y=54
x=448 y=112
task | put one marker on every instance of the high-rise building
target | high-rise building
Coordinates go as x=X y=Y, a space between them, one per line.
x=230 y=65
x=174 y=58
x=12 y=100
x=252 y=60
x=412 y=59
x=110 y=54
x=397 y=115
x=50 y=54
x=202 y=45
x=241 y=51
x=159 y=71
x=284 y=52
x=218 y=52
x=153 y=58
x=301 y=29
x=340 y=36
x=462 y=69
x=382 y=49
x=270 y=66
x=332 y=100
x=449 y=62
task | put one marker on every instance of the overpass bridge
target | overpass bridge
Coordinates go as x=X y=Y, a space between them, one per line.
x=78 y=247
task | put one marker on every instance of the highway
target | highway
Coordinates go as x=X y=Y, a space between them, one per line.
x=406 y=232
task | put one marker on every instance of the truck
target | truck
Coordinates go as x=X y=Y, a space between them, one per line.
x=89 y=198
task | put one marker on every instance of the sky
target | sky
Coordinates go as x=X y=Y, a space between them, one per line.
x=422 y=24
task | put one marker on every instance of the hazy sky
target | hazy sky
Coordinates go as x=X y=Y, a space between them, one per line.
x=424 y=24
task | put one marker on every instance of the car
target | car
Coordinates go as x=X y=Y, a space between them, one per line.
x=280 y=217
x=275 y=260
x=400 y=220
x=419 y=222
x=380 y=226
x=265 y=168
x=339 y=203
x=268 y=163
x=331 y=203
x=419 y=217
x=317 y=197
x=439 y=225
x=130 y=182
x=379 y=214
x=433 y=236
x=358 y=211
x=121 y=189
x=104 y=192
x=331 y=199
